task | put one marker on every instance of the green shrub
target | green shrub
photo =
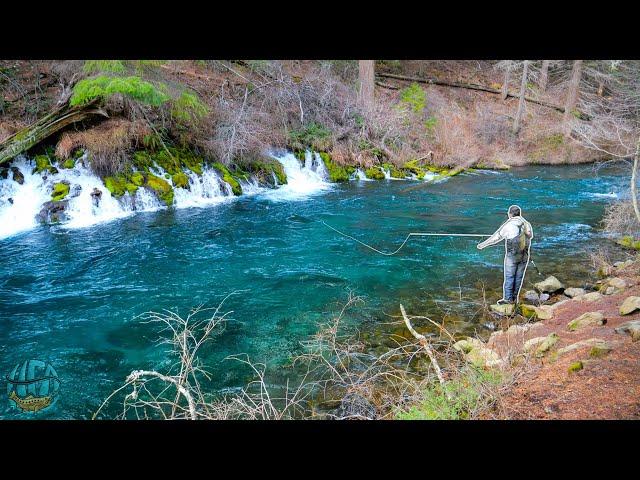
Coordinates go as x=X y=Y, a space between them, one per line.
x=312 y=135
x=97 y=66
x=188 y=108
x=414 y=98
x=470 y=391
x=103 y=87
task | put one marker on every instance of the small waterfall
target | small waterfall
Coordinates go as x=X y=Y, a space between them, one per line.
x=205 y=189
x=303 y=179
x=360 y=175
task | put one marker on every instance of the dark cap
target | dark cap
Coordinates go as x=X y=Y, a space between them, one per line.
x=514 y=211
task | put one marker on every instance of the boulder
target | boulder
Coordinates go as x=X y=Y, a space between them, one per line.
x=540 y=313
x=613 y=285
x=549 y=285
x=532 y=296
x=544 y=297
x=533 y=343
x=483 y=357
x=590 y=342
x=574 y=292
x=587 y=319
x=53 y=212
x=590 y=297
x=630 y=305
x=548 y=342
x=17 y=175
x=468 y=344
x=506 y=309
x=632 y=328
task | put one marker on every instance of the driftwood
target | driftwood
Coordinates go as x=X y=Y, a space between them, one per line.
x=427 y=347
x=53 y=122
x=472 y=86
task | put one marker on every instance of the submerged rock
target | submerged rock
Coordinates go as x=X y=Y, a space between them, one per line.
x=549 y=285
x=586 y=320
x=574 y=292
x=630 y=305
x=53 y=212
x=632 y=328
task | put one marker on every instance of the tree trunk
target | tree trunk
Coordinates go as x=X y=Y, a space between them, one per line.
x=634 y=174
x=523 y=89
x=505 y=83
x=51 y=123
x=366 y=83
x=572 y=96
x=544 y=76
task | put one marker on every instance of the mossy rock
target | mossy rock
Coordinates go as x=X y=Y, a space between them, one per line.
x=374 y=173
x=69 y=163
x=236 y=188
x=180 y=180
x=43 y=163
x=60 y=191
x=161 y=188
x=337 y=173
x=264 y=169
x=137 y=178
x=397 y=173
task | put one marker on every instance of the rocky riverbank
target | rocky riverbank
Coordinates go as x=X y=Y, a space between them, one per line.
x=576 y=355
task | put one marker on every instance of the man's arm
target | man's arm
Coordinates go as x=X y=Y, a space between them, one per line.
x=506 y=230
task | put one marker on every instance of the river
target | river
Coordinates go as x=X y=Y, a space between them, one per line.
x=70 y=294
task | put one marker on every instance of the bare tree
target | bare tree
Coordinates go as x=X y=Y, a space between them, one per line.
x=523 y=89
x=366 y=80
x=544 y=76
x=572 y=96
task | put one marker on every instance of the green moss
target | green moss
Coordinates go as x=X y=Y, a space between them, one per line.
x=629 y=242
x=576 y=367
x=414 y=98
x=137 y=179
x=337 y=173
x=227 y=177
x=599 y=351
x=69 y=163
x=78 y=153
x=60 y=190
x=115 y=185
x=264 y=169
x=374 y=173
x=43 y=163
x=180 y=180
x=162 y=188
x=299 y=154
x=397 y=173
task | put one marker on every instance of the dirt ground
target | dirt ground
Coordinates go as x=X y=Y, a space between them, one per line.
x=608 y=387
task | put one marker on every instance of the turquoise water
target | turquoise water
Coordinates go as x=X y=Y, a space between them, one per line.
x=70 y=296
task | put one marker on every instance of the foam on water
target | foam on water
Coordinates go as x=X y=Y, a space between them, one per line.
x=303 y=180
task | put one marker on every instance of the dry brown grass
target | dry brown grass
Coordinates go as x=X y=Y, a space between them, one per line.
x=109 y=143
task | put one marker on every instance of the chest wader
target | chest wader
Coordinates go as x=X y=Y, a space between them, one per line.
x=516 y=259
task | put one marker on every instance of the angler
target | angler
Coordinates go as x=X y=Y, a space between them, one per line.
x=517 y=234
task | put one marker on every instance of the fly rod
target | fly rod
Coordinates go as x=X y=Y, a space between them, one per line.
x=412 y=234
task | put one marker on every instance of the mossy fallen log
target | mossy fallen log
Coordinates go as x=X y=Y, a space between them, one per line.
x=53 y=122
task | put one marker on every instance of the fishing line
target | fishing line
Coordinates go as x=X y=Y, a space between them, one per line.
x=412 y=234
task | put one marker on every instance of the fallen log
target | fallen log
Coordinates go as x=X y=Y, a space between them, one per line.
x=53 y=122
x=473 y=86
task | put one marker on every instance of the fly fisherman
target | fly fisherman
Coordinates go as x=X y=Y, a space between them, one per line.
x=517 y=234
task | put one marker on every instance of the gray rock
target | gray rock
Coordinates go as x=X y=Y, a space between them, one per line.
x=96 y=195
x=590 y=297
x=574 y=292
x=506 y=309
x=53 y=212
x=632 y=328
x=17 y=175
x=549 y=285
x=590 y=342
x=531 y=296
x=630 y=305
x=587 y=319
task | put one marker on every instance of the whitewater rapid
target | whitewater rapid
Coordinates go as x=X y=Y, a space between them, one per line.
x=20 y=204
